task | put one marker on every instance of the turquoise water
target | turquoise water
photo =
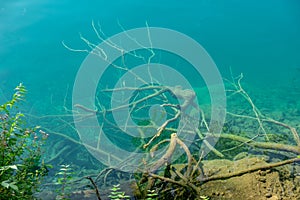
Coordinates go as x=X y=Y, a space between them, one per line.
x=260 y=39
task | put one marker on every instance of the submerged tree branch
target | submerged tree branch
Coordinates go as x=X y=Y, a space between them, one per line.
x=253 y=169
x=264 y=145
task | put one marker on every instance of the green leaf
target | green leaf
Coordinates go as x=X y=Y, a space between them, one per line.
x=13 y=167
x=204 y=197
x=115 y=193
x=14 y=187
x=4 y=168
x=115 y=189
x=5 y=184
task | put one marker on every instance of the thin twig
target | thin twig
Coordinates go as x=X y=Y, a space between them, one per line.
x=95 y=186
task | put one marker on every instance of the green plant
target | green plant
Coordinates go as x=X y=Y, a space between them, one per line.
x=151 y=195
x=204 y=197
x=21 y=166
x=117 y=194
x=64 y=177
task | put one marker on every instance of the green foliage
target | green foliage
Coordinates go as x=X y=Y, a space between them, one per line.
x=151 y=195
x=21 y=168
x=64 y=177
x=204 y=197
x=117 y=194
